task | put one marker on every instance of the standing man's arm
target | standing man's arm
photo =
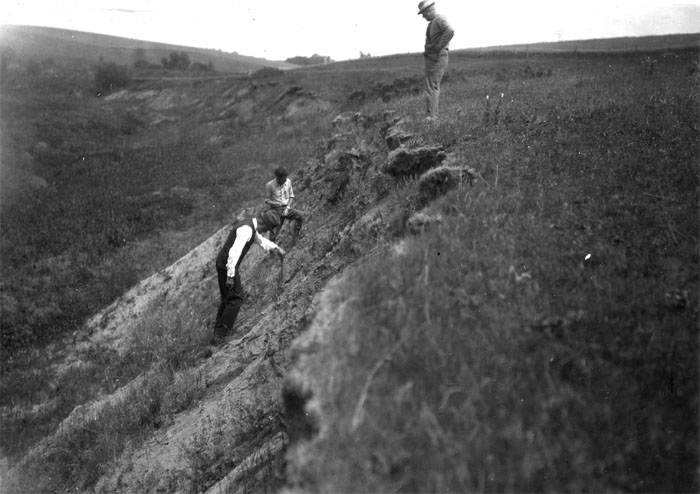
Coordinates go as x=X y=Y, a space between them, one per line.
x=268 y=245
x=243 y=235
x=447 y=34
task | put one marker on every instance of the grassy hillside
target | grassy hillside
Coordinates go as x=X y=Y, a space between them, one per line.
x=535 y=330
x=532 y=339
x=639 y=44
x=42 y=43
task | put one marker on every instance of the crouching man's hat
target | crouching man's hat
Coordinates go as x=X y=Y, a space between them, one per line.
x=424 y=5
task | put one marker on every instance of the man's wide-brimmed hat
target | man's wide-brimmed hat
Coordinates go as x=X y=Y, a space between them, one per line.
x=424 y=5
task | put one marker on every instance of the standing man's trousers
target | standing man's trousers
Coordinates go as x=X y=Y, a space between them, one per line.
x=435 y=66
x=231 y=302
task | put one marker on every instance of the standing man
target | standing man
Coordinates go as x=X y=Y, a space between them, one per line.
x=437 y=42
x=280 y=197
x=242 y=237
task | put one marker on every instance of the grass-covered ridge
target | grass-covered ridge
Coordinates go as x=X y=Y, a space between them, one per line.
x=543 y=335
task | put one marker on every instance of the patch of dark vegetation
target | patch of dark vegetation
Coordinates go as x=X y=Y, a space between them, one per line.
x=266 y=73
x=110 y=76
x=386 y=91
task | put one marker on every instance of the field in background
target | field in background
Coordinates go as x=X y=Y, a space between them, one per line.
x=639 y=44
x=44 y=43
x=557 y=298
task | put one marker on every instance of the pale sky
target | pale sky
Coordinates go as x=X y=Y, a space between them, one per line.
x=280 y=29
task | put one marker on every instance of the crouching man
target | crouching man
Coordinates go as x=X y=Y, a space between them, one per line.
x=242 y=237
x=280 y=197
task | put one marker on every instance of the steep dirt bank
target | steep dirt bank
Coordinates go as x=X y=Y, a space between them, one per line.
x=240 y=385
x=246 y=376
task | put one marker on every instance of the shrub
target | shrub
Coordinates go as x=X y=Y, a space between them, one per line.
x=145 y=64
x=314 y=59
x=176 y=61
x=267 y=72
x=110 y=76
x=202 y=67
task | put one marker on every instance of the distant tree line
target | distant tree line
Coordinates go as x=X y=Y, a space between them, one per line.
x=174 y=61
x=314 y=59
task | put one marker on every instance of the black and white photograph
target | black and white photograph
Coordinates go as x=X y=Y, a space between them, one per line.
x=327 y=247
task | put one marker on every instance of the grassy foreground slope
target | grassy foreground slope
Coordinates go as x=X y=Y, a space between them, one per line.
x=543 y=336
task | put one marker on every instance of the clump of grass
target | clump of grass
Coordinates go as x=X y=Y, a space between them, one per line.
x=162 y=351
x=77 y=459
x=225 y=443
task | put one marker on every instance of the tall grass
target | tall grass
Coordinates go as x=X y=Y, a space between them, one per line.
x=543 y=337
x=162 y=351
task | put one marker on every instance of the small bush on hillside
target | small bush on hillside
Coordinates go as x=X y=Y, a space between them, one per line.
x=145 y=64
x=176 y=61
x=110 y=76
x=314 y=59
x=536 y=72
x=267 y=72
x=202 y=67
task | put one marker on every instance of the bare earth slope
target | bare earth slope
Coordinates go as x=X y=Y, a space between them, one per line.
x=240 y=384
x=245 y=378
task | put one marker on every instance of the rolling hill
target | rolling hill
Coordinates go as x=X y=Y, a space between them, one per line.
x=41 y=43
x=603 y=45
